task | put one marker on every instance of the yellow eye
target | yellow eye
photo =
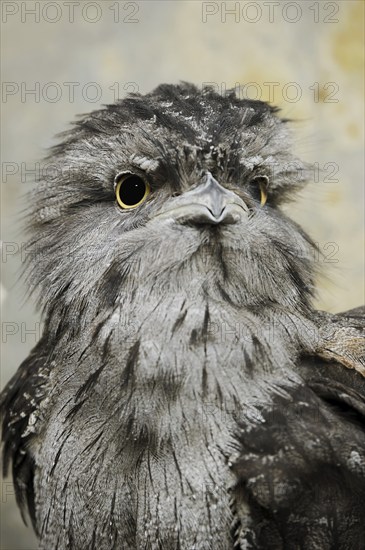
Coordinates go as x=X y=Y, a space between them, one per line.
x=131 y=190
x=263 y=191
x=258 y=188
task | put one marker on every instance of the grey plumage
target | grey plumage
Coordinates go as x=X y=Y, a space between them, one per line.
x=185 y=394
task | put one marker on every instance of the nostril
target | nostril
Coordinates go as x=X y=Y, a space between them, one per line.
x=176 y=194
x=215 y=212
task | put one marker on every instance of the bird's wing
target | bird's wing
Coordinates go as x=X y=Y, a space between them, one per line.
x=342 y=338
x=19 y=408
x=301 y=473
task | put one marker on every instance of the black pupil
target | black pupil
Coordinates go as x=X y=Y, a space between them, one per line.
x=132 y=190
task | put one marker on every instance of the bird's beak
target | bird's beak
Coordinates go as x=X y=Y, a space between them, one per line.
x=208 y=203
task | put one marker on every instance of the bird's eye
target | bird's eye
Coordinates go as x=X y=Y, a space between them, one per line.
x=259 y=186
x=130 y=190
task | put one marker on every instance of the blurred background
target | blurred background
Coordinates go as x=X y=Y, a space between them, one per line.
x=64 y=58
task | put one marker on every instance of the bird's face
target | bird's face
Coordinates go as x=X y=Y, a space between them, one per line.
x=176 y=191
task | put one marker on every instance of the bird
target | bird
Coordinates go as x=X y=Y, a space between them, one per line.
x=185 y=394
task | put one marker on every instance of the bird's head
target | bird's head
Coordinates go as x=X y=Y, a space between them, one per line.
x=174 y=191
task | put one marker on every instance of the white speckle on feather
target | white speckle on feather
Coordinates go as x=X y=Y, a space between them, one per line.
x=149 y=165
x=355 y=460
x=32 y=419
x=251 y=162
x=31 y=425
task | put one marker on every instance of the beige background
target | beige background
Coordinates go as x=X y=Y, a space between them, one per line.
x=312 y=50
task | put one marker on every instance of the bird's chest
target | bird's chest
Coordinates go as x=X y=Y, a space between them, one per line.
x=175 y=441
x=160 y=479
x=141 y=452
